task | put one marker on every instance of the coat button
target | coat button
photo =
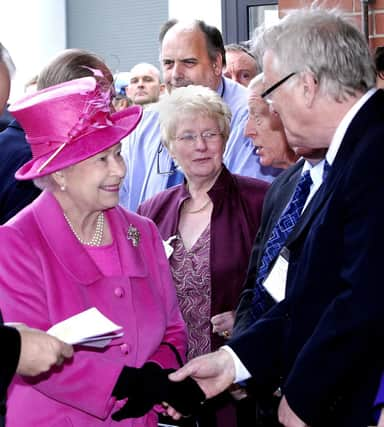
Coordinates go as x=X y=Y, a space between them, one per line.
x=119 y=292
x=124 y=348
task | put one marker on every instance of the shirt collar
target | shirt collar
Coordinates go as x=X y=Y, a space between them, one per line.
x=220 y=89
x=344 y=124
x=316 y=170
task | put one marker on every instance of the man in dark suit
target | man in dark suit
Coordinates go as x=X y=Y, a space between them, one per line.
x=14 y=152
x=28 y=352
x=266 y=130
x=321 y=343
x=268 y=135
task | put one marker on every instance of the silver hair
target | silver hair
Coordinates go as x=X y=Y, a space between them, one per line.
x=256 y=81
x=325 y=43
x=190 y=100
x=257 y=45
x=46 y=182
x=6 y=59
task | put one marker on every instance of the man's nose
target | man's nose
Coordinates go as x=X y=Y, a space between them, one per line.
x=177 y=70
x=250 y=129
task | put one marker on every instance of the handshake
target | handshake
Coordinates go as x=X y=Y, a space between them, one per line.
x=149 y=385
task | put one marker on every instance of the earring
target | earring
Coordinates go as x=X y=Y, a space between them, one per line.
x=62 y=187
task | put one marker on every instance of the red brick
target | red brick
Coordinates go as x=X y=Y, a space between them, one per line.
x=379 y=23
x=378 y=4
x=376 y=41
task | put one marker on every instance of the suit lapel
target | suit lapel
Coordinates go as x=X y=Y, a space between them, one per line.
x=284 y=191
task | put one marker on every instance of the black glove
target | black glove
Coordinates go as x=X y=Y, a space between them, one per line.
x=150 y=385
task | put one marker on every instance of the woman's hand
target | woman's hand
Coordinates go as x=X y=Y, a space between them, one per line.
x=222 y=323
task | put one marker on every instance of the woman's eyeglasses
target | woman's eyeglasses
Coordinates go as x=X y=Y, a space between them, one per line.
x=191 y=138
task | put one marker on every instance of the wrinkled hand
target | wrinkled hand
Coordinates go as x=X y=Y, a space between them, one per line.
x=214 y=372
x=40 y=351
x=287 y=417
x=381 y=419
x=222 y=323
x=150 y=385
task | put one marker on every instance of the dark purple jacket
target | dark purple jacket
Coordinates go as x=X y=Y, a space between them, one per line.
x=237 y=204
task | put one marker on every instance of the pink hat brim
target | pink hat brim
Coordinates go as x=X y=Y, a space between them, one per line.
x=125 y=122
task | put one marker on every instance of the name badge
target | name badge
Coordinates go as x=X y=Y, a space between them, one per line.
x=275 y=283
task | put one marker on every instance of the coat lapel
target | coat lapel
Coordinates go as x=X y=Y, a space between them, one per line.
x=62 y=242
x=130 y=234
x=70 y=253
x=285 y=191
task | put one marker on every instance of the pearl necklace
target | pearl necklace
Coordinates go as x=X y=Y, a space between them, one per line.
x=97 y=238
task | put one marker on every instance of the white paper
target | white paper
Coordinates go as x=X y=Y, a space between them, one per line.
x=276 y=281
x=89 y=327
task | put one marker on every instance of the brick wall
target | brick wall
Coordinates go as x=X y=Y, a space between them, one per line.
x=352 y=7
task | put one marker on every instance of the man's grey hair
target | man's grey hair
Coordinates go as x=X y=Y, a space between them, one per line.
x=325 y=43
x=256 y=81
x=257 y=45
x=6 y=59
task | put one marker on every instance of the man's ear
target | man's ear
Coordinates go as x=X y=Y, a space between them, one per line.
x=162 y=88
x=310 y=87
x=218 y=65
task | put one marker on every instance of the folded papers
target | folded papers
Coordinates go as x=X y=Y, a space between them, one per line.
x=90 y=328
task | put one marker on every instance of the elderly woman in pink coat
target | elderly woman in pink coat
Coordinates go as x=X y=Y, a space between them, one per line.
x=73 y=248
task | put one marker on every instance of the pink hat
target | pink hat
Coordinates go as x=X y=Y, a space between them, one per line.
x=68 y=123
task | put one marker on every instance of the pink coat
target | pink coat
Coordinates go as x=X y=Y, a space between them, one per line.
x=47 y=276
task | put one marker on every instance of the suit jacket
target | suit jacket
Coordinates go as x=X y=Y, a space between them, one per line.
x=237 y=203
x=14 y=152
x=275 y=201
x=9 y=358
x=321 y=342
x=46 y=276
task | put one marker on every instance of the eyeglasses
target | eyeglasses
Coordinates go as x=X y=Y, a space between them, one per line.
x=266 y=94
x=191 y=138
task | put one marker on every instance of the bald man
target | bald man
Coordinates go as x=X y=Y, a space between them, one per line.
x=145 y=85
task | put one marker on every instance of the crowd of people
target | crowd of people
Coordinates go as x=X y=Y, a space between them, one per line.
x=226 y=215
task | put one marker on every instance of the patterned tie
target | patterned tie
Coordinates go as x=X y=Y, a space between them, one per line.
x=176 y=178
x=262 y=301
